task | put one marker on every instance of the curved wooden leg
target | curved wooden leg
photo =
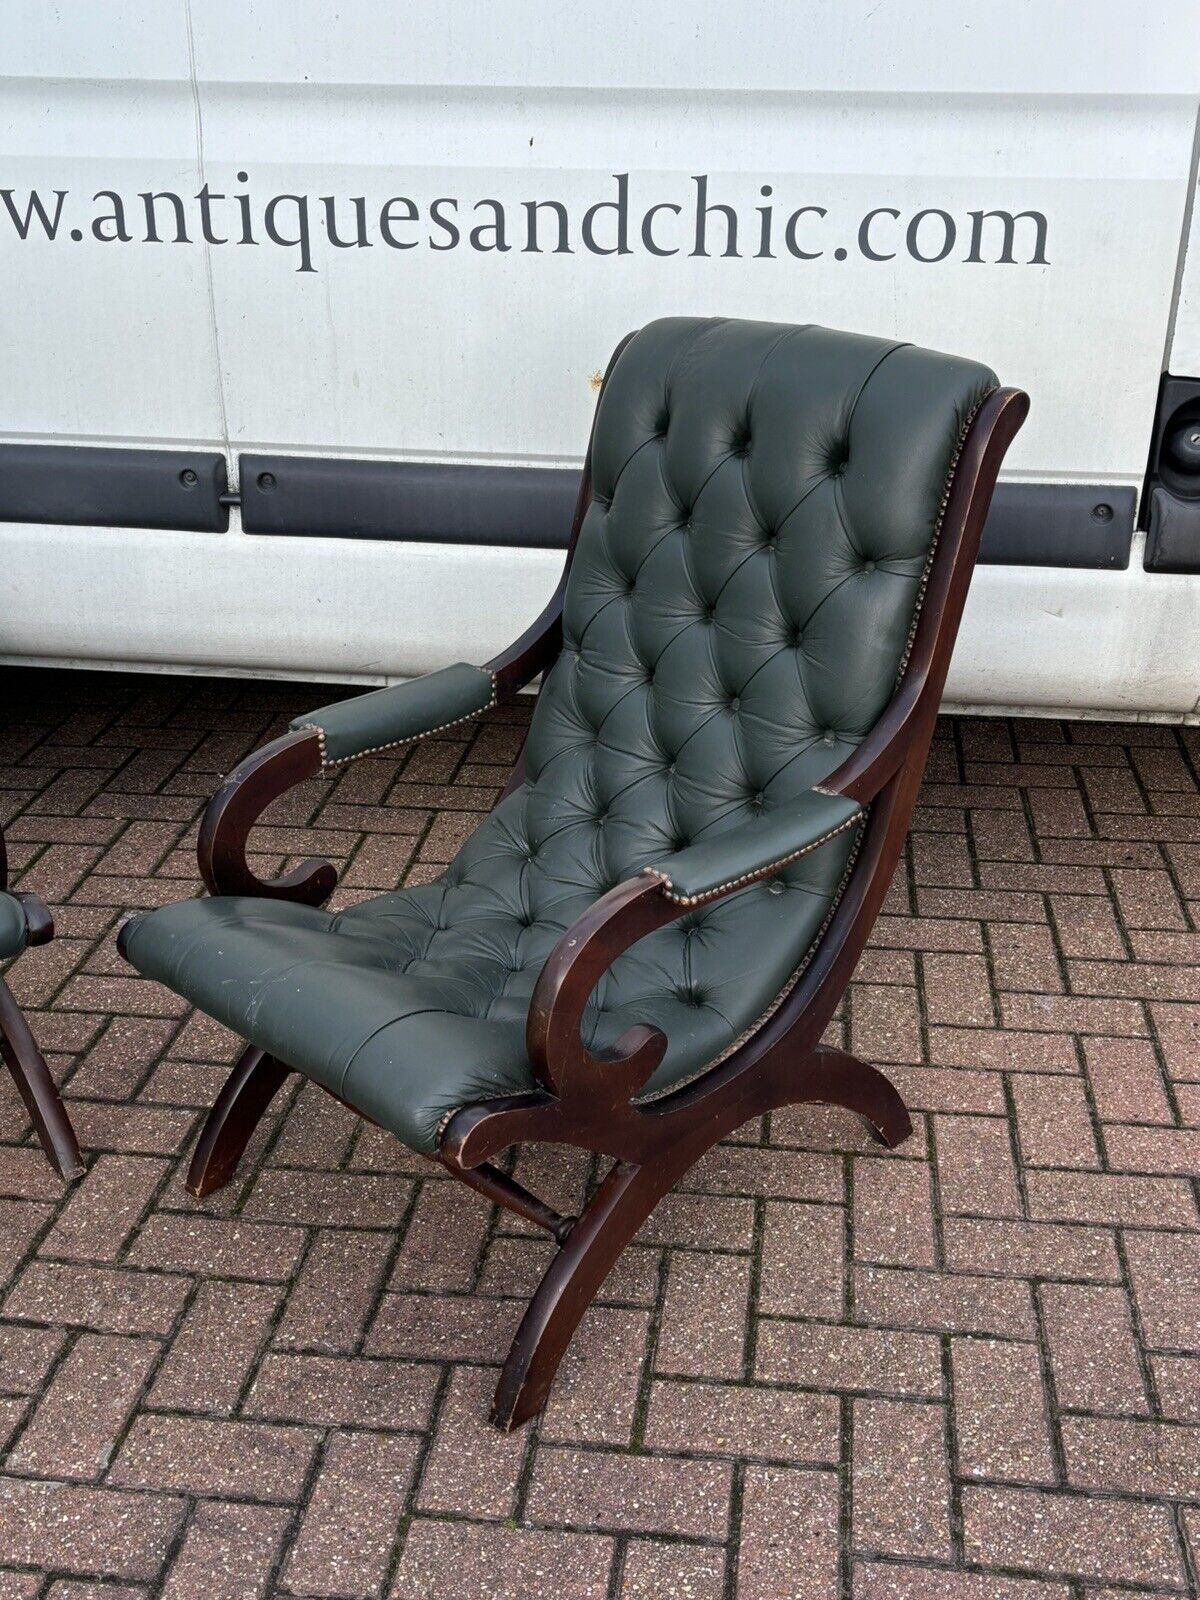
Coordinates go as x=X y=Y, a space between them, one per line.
x=38 y=1090
x=608 y=1222
x=841 y=1079
x=245 y=1095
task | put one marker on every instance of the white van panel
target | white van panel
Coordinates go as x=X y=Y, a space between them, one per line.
x=1081 y=111
x=1066 y=641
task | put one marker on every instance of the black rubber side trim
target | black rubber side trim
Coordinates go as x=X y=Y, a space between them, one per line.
x=1042 y=525
x=408 y=500
x=1059 y=525
x=113 y=488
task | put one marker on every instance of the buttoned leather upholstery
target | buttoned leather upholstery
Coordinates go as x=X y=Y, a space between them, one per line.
x=14 y=930
x=738 y=611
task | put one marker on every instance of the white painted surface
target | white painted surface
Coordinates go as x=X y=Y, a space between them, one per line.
x=1126 y=646
x=1083 y=111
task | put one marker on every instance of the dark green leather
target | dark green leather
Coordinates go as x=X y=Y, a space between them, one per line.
x=738 y=610
x=14 y=932
x=720 y=862
x=405 y=711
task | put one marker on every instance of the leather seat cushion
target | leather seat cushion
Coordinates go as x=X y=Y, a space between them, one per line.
x=738 y=611
x=413 y=1004
x=13 y=929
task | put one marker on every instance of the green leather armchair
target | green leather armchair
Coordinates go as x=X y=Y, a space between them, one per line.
x=24 y=920
x=642 y=945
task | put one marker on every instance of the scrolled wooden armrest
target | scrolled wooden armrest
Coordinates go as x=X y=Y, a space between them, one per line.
x=561 y=1061
x=237 y=805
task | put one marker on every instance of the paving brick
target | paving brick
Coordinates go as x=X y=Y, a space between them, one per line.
x=877 y=1580
x=638 y=1494
x=1125 y=1080
x=691 y=1339
x=1054 y=1126
x=656 y=1569
x=346 y=1538
x=1087 y=926
x=471 y=1470
x=316 y=1132
x=443 y=1327
x=77 y=1421
x=957 y=990
x=212 y=1354
x=775 y=1174
x=104 y=1207
x=1178 y=1031
x=1153 y=1460
x=1023 y=957
x=944 y=1089
x=885 y=1023
x=1110 y=1198
x=789 y=1535
x=803 y=1260
x=975 y=1166
x=1002 y=1049
x=333 y=1391
x=229 y=1460
x=187 y=1242
x=474 y=1561
x=1093 y=1350
x=744 y=1420
x=108 y=1299
x=328 y=1199
x=1031 y=1250
x=20 y=1223
x=333 y=1294
x=824 y=1356
x=893 y=1213
x=228 y=1553
x=713 y=1221
x=1072 y=1014
x=442 y=1242
x=1177 y=1383
x=595 y=1395
x=958 y=1302
x=1154 y=1149
x=901 y=1481
x=73 y=1528
x=1000 y=1420
x=26 y=1356
x=1039 y=1531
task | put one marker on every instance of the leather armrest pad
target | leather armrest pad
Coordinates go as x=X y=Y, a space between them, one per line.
x=398 y=714
x=14 y=930
x=741 y=856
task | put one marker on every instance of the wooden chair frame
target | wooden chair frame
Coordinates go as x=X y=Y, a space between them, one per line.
x=585 y=1100
x=22 y=1056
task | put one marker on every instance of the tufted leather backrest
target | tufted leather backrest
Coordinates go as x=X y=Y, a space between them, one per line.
x=746 y=579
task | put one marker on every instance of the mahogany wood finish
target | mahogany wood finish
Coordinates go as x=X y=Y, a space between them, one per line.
x=37 y=1088
x=22 y=1056
x=245 y=1095
x=236 y=807
x=586 y=1098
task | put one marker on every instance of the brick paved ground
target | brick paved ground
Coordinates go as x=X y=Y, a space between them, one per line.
x=968 y=1371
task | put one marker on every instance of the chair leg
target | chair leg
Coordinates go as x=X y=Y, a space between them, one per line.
x=629 y=1194
x=608 y=1222
x=245 y=1095
x=42 y=1100
x=843 y=1080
